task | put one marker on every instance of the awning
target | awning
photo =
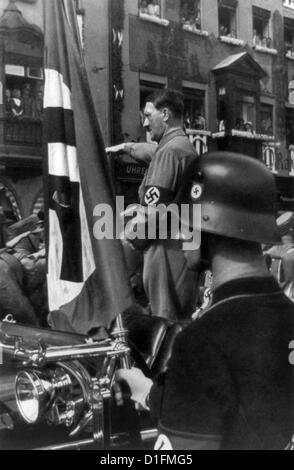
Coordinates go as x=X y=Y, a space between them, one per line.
x=244 y=59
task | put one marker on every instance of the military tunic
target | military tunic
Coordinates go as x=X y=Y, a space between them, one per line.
x=169 y=284
x=229 y=381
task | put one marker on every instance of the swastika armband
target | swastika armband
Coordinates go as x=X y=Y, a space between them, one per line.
x=154 y=195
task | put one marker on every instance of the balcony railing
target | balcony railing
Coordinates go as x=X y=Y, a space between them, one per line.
x=269 y=155
x=199 y=139
x=21 y=131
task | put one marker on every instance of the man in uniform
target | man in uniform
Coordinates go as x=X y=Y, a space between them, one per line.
x=168 y=283
x=229 y=382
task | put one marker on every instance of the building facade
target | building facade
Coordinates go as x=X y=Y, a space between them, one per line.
x=232 y=59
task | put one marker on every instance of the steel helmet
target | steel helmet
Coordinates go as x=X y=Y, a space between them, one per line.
x=237 y=194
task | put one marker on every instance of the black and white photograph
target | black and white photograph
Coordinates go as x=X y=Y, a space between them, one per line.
x=146 y=227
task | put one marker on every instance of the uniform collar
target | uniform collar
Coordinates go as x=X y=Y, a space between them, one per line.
x=244 y=286
x=171 y=134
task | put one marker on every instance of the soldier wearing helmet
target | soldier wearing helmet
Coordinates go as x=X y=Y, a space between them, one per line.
x=229 y=382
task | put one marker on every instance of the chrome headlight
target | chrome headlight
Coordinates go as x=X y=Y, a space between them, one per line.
x=33 y=391
x=57 y=394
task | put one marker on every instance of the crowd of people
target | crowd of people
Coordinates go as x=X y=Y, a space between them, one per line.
x=190 y=12
x=24 y=103
x=265 y=126
x=241 y=125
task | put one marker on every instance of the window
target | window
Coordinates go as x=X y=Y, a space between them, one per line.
x=291 y=90
x=191 y=14
x=23 y=94
x=227 y=18
x=261 y=27
x=289 y=36
x=246 y=113
x=290 y=127
x=151 y=7
x=266 y=119
x=153 y=11
x=147 y=88
x=194 y=109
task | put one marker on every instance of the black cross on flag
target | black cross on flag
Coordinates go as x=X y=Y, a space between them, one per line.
x=88 y=284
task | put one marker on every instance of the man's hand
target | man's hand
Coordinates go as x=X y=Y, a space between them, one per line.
x=116 y=149
x=139 y=384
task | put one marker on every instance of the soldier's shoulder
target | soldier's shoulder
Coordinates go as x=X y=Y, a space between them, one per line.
x=180 y=148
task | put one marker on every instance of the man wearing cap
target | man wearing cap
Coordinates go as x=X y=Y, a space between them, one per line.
x=229 y=382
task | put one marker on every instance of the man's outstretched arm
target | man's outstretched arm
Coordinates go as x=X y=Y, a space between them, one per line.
x=141 y=151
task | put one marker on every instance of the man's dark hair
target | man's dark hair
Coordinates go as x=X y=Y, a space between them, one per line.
x=168 y=98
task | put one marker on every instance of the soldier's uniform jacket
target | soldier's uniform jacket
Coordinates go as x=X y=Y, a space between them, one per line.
x=168 y=283
x=229 y=379
x=163 y=178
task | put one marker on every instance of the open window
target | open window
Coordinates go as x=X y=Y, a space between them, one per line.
x=261 y=28
x=227 y=18
x=153 y=11
x=190 y=14
x=151 y=7
x=289 y=37
x=290 y=127
x=246 y=113
x=23 y=91
x=194 y=109
x=266 y=119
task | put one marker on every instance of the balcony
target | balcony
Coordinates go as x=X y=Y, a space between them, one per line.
x=21 y=141
x=249 y=143
x=26 y=131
